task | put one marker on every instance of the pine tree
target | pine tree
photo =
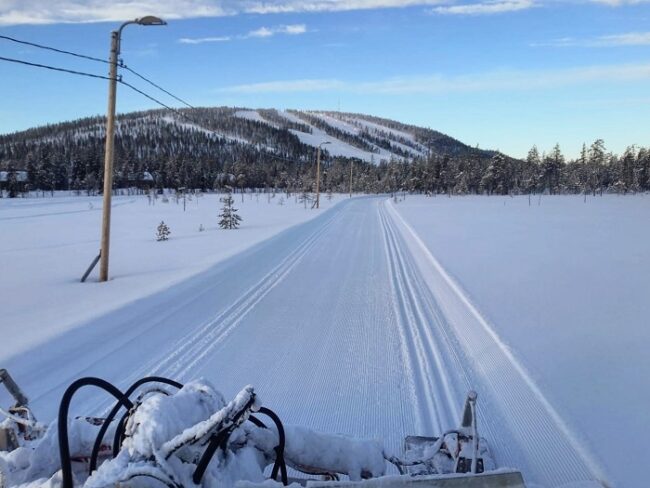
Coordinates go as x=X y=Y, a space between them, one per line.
x=531 y=178
x=551 y=170
x=228 y=216
x=163 y=232
x=597 y=164
x=304 y=197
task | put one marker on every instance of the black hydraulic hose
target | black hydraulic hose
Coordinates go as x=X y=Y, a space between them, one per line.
x=217 y=441
x=116 y=408
x=280 y=463
x=118 y=438
x=220 y=439
x=257 y=422
x=64 y=407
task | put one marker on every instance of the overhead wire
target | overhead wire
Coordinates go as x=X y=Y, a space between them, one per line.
x=54 y=49
x=93 y=58
x=156 y=85
x=54 y=68
x=121 y=81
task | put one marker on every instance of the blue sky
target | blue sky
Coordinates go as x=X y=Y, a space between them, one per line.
x=503 y=74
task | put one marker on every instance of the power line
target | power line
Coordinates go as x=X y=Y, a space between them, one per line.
x=157 y=86
x=49 y=48
x=53 y=68
x=119 y=79
x=92 y=58
x=155 y=100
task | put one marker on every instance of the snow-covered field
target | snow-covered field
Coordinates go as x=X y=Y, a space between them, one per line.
x=566 y=286
x=47 y=244
x=372 y=318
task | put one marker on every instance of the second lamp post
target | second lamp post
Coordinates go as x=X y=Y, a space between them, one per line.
x=318 y=173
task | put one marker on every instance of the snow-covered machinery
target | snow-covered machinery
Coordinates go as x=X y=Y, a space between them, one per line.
x=173 y=435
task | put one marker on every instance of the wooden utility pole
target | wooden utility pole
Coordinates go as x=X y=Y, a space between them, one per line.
x=108 y=158
x=351 y=161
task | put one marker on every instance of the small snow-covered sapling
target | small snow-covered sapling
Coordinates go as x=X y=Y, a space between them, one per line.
x=163 y=232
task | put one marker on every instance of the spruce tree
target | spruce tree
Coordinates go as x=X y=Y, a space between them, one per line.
x=163 y=232
x=305 y=198
x=228 y=216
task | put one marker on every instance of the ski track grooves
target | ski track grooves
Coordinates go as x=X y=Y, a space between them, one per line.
x=431 y=389
x=523 y=427
x=190 y=350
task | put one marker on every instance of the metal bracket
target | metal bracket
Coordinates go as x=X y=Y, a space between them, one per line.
x=13 y=389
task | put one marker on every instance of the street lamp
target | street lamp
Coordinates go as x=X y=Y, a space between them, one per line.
x=116 y=37
x=351 y=168
x=318 y=173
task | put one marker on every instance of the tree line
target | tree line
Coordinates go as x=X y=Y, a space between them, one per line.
x=154 y=151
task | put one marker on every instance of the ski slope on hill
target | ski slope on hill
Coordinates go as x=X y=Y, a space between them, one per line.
x=343 y=324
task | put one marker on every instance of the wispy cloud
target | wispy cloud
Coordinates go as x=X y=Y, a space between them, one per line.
x=292 y=30
x=486 y=8
x=296 y=6
x=613 y=40
x=262 y=32
x=15 y=12
x=506 y=80
x=203 y=40
x=85 y=11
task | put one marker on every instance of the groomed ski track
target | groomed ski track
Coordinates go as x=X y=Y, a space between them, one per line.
x=344 y=324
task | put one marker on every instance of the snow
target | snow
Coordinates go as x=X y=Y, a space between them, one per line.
x=48 y=243
x=564 y=284
x=334 y=453
x=335 y=146
x=373 y=127
x=198 y=128
x=373 y=319
x=338 y=123
x=252 y=115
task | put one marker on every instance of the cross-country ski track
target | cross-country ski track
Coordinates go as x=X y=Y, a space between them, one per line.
x=345 y=323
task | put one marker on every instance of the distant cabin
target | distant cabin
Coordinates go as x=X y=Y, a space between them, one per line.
x=141 y=179
x=14 y=180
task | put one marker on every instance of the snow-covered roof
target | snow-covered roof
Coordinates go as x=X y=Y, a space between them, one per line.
x=21 y=176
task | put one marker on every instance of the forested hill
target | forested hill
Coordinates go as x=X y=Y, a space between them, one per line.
x=266 y=148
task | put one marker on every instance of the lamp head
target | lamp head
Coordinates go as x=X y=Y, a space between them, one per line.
x=150 y=20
